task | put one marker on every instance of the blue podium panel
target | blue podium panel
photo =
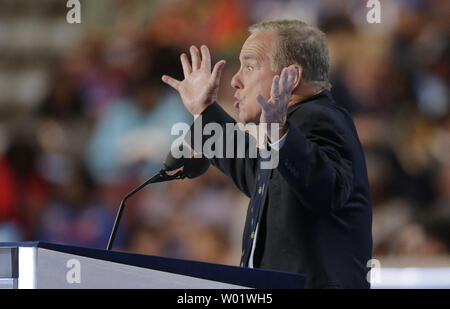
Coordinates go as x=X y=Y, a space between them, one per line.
x=47 y=265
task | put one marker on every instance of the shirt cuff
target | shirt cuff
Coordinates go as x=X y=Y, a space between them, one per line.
x=279 y=143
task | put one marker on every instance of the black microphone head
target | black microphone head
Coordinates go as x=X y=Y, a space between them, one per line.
x=171 y=163
x=192 y=167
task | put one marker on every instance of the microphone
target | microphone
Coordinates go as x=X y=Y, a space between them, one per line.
x=192 y=168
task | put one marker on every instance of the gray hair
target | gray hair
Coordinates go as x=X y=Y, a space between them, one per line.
x=301 y=44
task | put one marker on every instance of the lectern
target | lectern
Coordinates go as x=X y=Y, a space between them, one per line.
x=42 y=265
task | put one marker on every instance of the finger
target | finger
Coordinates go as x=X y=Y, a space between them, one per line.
x=292 y=76
x=172 y=82
x=285 y=79
x=264 y=104
x=291 y=73
x=217 y=71
x=195 y=55
x=187 y=69
x=275 y=91
x=206 y=58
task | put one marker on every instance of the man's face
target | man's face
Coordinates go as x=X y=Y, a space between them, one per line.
x=254 y=76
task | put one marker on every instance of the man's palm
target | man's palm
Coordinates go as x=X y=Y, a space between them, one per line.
x=200 y=86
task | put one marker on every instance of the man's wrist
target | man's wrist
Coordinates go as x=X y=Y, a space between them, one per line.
x=199 y=110
x=282 y=129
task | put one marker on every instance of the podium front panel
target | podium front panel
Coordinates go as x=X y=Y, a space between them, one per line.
x=61 y=270
x=30 y=265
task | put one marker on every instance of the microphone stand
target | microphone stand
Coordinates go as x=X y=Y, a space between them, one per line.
x=160 y=177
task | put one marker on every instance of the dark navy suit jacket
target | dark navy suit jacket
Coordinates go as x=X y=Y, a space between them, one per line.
x=316 y=217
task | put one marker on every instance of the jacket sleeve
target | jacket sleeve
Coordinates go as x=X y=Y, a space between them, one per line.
x=235 y=160
x=315 y=159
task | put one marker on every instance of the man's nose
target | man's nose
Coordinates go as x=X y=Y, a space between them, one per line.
x=236 y=81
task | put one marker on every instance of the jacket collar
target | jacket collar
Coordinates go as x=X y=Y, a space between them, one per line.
x=318 y=96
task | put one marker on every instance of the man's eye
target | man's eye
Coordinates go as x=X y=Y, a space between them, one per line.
x=249 y=68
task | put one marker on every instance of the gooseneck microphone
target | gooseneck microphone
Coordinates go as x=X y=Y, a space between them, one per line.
x=192 y=167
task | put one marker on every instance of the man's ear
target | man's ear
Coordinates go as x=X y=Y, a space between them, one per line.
x=298 y=77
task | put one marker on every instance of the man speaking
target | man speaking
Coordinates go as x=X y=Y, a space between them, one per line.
x=311 y=214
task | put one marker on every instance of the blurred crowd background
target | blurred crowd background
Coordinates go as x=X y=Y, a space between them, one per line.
x=85 y=118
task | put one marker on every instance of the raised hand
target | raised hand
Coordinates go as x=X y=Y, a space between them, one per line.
x=200 y=86
x=275 y=109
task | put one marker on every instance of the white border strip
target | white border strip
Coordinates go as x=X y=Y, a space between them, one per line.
x=27 y=268
x=413 y=278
